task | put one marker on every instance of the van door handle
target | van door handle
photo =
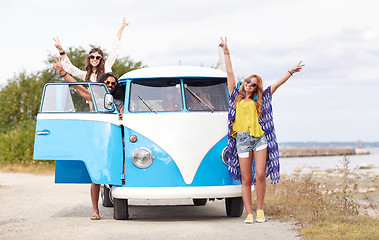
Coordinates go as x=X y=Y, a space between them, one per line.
x=43 y=132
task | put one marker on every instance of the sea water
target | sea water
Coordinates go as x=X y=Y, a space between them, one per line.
x=308 y=164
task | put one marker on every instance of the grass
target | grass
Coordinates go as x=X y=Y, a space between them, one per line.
x=327 y=207
x=40 y=168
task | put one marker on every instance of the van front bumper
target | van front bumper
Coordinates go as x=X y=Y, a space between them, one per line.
x=176 y=192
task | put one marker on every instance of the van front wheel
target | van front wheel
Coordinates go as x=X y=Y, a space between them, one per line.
x=120 y=210
x=234 y=206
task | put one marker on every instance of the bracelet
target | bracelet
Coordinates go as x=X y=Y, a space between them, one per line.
x=64 y=75
x=290 y=72
x=226 y=53
x=62 y=53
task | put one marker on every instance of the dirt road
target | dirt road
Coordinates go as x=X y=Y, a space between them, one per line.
x=33 y=207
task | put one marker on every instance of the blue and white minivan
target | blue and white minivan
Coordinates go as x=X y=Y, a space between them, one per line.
x=170 y=144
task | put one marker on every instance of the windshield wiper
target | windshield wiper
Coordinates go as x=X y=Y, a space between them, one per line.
x=147 y=105
x=197 y=97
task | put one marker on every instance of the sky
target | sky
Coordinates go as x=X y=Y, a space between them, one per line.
x=334 y=98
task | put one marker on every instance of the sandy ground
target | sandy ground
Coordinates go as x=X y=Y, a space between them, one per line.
x=33 y=207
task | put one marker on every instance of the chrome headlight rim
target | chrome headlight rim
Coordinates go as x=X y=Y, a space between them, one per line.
x=224 y=155
x=144 y=161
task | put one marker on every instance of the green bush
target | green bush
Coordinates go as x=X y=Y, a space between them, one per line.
x=16 y=145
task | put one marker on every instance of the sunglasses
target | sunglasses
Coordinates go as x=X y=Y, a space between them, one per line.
x=111 y=83
x=95 y=57
x=249 y=81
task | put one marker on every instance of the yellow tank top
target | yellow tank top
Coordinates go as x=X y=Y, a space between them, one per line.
x=246 y=119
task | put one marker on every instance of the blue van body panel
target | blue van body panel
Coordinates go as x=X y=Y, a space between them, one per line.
x=97 y=144
x=71 y=171
x=212 y=166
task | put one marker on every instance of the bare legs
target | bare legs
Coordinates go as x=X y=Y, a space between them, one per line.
x=246 y=180
x=95 y=189
x=260 y=176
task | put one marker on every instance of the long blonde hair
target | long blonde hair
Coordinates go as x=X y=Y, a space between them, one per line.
x=258 y=92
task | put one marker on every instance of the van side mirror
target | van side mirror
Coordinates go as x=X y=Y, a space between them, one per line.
x=108 y=101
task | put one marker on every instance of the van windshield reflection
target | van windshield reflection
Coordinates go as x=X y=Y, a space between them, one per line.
x=206 y=94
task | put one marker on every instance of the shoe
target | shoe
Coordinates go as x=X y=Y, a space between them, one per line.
x=260 y=216
x=249 y=218
x=95 y=216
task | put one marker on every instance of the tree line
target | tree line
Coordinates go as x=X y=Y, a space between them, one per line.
x=20 y=100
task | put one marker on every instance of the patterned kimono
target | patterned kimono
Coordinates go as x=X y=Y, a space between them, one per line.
x=267 y=124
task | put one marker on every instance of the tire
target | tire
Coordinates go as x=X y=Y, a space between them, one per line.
x=120 y=210
x=234 y=206
x=106 y=196
x=200 y=202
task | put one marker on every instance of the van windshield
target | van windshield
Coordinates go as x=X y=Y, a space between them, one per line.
x=204 y=94
x=155 y=95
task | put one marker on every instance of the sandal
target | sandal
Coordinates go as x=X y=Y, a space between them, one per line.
x=95 y=216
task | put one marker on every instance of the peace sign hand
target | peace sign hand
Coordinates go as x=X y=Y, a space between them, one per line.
x=58 y=64
x=124 y=23
x=224 y=46
x=298 y=67
x=58 y=45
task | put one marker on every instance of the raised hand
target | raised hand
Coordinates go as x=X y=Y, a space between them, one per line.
x=285 y=77
x=298 y=67
x=224 y=46
x=124 y=23
x=58 y=64
x=58 y=45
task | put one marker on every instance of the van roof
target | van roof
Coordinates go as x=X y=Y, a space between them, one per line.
x=173 y=71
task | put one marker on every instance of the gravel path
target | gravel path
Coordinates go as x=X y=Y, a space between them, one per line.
x=33 y=207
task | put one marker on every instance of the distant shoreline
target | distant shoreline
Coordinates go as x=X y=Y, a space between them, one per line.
x=320 y=151
x=313 y=144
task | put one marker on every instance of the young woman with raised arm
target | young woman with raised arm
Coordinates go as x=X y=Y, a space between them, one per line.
x=251 y=134
x=95 y=64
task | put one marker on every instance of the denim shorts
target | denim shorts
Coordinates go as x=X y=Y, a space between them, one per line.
x=247 y=143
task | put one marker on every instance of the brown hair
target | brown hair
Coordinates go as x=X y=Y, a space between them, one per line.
x=258 y=92
x=100 y=69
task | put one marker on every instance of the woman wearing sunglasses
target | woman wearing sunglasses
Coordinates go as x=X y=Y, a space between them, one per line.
x=251 y=134
x=95 y=64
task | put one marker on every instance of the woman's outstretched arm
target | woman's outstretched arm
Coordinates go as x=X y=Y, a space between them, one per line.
x=286 y=76
x=115 y=48
x=228 y=64
x=123 y=25
x=84 y=92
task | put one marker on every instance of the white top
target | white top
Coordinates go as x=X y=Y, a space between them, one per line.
x=71 y=69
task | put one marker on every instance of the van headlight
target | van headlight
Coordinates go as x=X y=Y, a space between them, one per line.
x=224 y=156
x=142 y=157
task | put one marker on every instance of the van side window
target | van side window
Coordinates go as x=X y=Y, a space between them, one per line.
x=98 y=94
x=71 y=98
x=155 y=95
